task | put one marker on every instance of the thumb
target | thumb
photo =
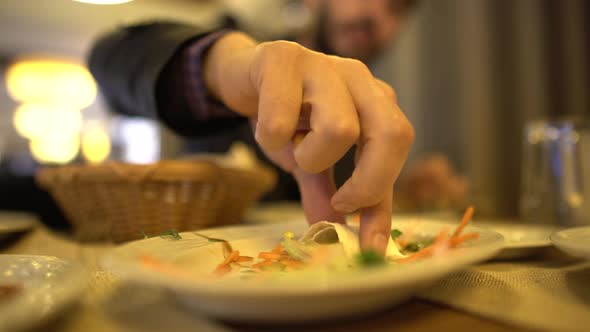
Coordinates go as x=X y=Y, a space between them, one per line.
x=316 y=192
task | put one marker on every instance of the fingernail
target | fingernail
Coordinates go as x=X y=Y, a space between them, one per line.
x=379 y=243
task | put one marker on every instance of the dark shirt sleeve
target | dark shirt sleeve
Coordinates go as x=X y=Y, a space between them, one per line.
x=154 y=70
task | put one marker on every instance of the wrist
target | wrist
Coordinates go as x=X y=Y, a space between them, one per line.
x=226 y=72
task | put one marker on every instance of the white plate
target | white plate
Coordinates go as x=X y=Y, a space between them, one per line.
x=48 y=285
x=574 y=241
x=294 y=299
x=520 y=240
x=15 y=222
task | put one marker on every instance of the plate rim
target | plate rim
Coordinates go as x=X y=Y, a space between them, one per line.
x=550 y=230
x=377 y=278
x=73 y=284
x=568 y=247
x=21 y=222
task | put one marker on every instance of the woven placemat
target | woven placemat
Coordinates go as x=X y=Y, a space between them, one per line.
x=550 y=294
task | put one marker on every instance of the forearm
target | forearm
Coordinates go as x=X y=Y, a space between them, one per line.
x=226 y=72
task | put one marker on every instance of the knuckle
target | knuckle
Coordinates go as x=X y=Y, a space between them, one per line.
x=280 y=51
x=282 y=48
x=274 y=129
x=407 y=132
x=347 y=131
x=358 y=66
x=321 y=62
x=389 y=92
x=399 y=131
x=351 y=65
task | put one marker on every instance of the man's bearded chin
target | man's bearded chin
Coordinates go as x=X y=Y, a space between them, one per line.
x=323 y=40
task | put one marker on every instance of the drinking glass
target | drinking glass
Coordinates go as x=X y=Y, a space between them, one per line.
x=555 y=186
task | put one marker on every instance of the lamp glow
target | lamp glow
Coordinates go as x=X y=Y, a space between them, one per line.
x=36 y=121
x=55 y=148
x=96 y=145
x=50 y=81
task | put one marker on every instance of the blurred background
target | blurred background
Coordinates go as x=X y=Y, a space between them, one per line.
x=469 y=74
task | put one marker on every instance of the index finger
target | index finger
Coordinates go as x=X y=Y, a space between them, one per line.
x=386 y=138
x=375 y=225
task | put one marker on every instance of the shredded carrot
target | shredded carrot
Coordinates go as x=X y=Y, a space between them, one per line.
x=438 y=242
x=291 y=263
x=464 y=221
x=231 y=257
x=158 y=265
x=441 y=237
x=457 y=240
x=263 y=264
x=222 y=269
x=442 y=240
x=278 y=249
x=242 y=259
x=269 y=256
x=422 y=253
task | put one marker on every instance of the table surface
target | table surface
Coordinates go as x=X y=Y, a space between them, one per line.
x=94 y=313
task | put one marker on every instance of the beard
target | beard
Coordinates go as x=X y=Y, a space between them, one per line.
x=325 y=28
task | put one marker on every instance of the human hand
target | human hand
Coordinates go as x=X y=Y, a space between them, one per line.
x=308 y=109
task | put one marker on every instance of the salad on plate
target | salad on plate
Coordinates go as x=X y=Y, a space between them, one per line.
x=325 y=246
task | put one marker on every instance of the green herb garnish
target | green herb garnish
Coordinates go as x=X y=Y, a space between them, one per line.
x=414 y=247
x=418 y=245
x=227 y=249
x=370 y=258
x=210 y=239
x=395 y=233
x=170 y=233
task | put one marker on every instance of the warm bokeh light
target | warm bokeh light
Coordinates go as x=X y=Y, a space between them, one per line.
x=36 y=121
x=96 y=145
x=55 y=148
x=51 y=81
x=104 y=2
x=141 y=140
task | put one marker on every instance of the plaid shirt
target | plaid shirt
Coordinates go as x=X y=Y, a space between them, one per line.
x=183 y=102
x=192 y=84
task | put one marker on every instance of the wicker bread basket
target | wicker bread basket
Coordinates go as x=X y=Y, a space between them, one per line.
x=119 y=202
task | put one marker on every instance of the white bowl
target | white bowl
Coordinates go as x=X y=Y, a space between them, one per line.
x=292 y=299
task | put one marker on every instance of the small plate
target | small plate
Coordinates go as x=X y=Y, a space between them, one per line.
x=324 y=296
x=573 y=241
x=15 y=222
x=39 y=287
x=520 y=240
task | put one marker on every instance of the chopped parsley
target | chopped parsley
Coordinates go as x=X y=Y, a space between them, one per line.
x=413 y=247
x=417 y=246
x=170 y=233
x=167 y=234
x=370 y=258
x=395 y=233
